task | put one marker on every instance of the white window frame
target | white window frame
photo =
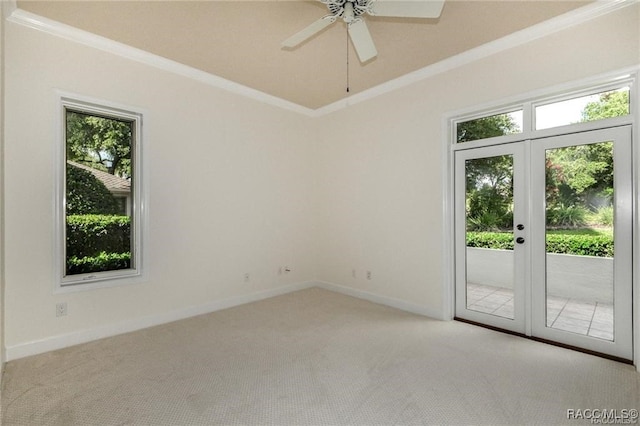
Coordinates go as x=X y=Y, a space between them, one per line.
x=64 y=283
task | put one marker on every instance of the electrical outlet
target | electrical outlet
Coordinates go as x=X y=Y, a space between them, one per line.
x=61 y=309
x=368 y=275
x=247 y=277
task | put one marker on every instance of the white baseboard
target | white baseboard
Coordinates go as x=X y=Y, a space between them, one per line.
x=63 y=341
x=381 y=300
x=66 y=340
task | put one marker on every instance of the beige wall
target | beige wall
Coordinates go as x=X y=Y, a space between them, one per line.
x=381 y=161
x=238 y=186
x=230 y=191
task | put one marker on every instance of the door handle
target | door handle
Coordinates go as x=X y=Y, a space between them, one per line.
x=520 y=240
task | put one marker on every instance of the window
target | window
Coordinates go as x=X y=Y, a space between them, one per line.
x=100 y=194
x=599 y=106
x=489 y=126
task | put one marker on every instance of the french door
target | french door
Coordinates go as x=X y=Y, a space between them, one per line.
x=543 y=238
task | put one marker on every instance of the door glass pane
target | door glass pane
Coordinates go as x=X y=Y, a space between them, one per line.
x=579 y=239
x=489 y=235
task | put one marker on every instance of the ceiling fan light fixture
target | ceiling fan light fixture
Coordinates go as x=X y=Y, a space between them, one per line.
x=351 y=11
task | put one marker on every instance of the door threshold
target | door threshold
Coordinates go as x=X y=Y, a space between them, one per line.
x=549 y=342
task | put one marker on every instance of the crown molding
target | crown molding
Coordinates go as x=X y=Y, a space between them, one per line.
x=518 y=38
x=543 y=29
x=67 y=32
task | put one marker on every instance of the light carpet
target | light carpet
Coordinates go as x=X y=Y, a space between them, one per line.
x=312 y=357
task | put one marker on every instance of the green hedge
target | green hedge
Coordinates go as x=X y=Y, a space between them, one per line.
x=494 y=240
x=89 y=235
x=584 y=245
x=97 y=243
x=102 y=262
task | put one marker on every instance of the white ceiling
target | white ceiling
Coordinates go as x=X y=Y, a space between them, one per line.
x=240 y=40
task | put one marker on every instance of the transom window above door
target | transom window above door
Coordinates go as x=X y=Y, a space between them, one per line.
x=601 y=105
x=584 y=108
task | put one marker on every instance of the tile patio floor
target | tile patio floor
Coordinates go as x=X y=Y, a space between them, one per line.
x=590 y=318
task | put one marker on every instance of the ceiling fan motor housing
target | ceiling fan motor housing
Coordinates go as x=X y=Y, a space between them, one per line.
x=348 y=10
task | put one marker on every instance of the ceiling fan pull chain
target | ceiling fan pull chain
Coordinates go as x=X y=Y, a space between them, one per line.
x=347 y=45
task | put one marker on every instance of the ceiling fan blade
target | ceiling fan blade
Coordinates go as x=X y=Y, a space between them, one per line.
x=309 y=32
x=362 y=41
x=407 y=8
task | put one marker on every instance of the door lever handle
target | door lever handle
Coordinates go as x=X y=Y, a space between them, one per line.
x=520 y=240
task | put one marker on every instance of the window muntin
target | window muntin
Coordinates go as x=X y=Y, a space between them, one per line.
x=489 y=126
x=593 y=107
x=101 y=199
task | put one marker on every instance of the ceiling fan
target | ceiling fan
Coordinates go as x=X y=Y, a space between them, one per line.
x=352 y=11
